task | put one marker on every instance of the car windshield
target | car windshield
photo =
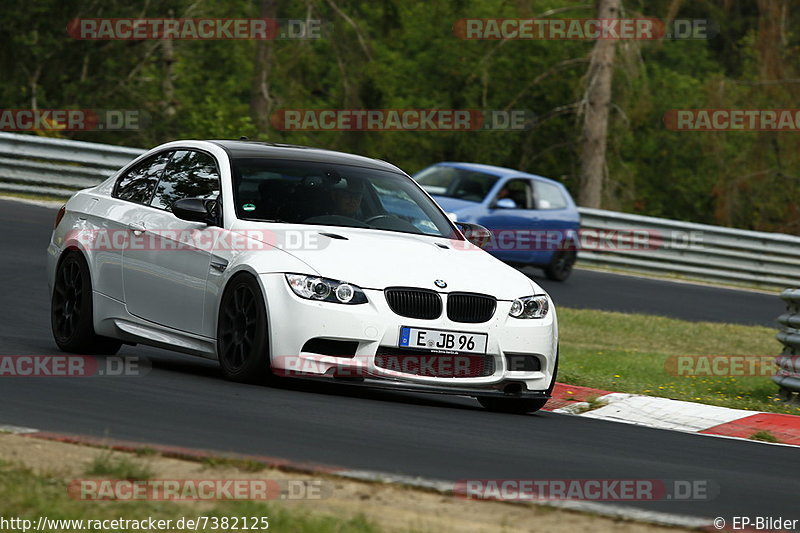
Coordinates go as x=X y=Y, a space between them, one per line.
x=456 y=183
x=303 y=192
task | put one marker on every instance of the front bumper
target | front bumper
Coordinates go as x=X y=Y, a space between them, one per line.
x=294 y=321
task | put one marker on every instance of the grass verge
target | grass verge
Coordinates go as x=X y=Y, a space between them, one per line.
x=631 y=353
x=28 y=495
x=116 y=466
x=32 y=196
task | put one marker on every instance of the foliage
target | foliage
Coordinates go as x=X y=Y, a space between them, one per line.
x=398 y=54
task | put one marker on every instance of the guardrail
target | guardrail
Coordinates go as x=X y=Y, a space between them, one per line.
x=788 y=375
x=59 y=167
x=698 y=251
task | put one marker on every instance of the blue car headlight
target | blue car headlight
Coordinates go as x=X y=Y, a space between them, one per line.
x=325 y=290
x=530 y=307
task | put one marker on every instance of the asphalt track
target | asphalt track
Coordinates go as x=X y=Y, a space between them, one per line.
x=183 y=402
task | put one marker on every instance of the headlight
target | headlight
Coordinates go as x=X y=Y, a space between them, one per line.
x=530 y=307
x=325 y=290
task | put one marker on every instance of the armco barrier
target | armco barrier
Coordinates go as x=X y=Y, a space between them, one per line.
x=59 y=167
x=698 y=251
x=788 y=375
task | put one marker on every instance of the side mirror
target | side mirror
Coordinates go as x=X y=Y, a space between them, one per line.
x=194 y=210
x=475 y=233
x=506 y=203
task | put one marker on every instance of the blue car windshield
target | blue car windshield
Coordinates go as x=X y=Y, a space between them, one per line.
x=456 y=183
x=306 y=192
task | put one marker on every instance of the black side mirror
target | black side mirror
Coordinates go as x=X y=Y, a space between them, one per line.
x=195 y=210
x=475 y=233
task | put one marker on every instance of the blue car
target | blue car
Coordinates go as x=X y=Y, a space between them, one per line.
x=533 y=220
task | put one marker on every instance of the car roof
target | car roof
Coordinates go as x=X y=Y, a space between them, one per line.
x=246 y=149
x=501 y=172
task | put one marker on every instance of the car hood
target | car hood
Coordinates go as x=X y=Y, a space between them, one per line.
x=375 y=259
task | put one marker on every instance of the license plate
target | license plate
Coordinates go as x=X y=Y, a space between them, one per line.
x=437 y=339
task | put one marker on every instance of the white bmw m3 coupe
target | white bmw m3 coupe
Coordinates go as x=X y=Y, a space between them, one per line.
x=287 y=261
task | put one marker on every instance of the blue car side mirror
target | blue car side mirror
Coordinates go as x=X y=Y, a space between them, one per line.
x=506 y=203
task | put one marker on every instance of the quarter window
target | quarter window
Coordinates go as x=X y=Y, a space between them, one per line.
x=548 y=196
x=138 y=184
x=190 y=174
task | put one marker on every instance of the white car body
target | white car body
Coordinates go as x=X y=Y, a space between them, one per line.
x=171 y=298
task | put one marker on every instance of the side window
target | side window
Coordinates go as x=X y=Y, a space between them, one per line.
x=190 y=174
x=138 y=184
x=518 y=190
x=548 y=196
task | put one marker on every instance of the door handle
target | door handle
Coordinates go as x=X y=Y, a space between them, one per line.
x=137 y=228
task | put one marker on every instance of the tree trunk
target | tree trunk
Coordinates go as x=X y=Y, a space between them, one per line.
x=260 y=98
x=168 y=83
x=596 y=101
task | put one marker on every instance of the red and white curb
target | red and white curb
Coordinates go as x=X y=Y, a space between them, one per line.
x=675 y=415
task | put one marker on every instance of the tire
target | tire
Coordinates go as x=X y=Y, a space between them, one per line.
x=519 y=406
x=561 y=264
x=242 y=339
x=71 y=310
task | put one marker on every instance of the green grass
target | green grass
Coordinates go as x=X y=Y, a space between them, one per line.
x=107 y=464
x=592 y=403
x=145 y=452
x=629 y=353
x=245 y=465
x=764 y=436
x=27 y=495
x=32 y=196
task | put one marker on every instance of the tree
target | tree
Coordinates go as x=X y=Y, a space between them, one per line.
x=596 y=102
x=261 y=100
